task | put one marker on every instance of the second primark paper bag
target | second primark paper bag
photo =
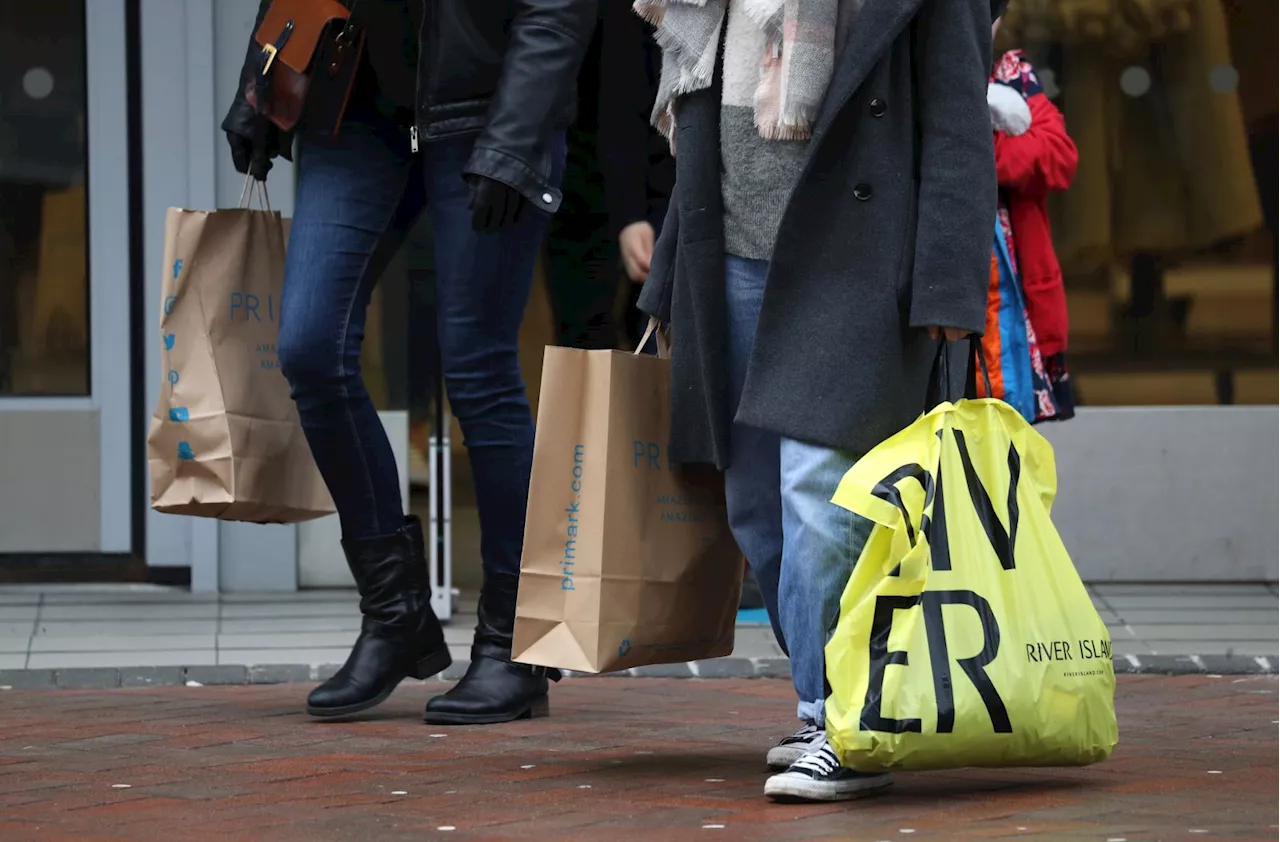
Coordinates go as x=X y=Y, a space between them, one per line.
x=628 y=559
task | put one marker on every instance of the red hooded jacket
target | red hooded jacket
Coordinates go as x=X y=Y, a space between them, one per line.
x=1028 y=166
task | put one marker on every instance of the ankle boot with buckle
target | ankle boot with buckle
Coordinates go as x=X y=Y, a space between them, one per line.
x=400 y=636
x=494 y=689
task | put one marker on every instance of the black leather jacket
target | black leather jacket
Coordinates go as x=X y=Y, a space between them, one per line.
x=503 y=70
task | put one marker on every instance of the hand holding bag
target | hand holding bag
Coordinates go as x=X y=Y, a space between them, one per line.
x=628 y=559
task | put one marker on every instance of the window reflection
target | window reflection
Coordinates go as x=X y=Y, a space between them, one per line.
x=43 y=212
x=1167 y=236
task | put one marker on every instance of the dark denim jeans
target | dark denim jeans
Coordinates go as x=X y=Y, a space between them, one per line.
x=358 y=194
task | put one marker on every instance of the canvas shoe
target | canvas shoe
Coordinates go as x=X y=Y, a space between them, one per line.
x=818 y=776
x=796 y=746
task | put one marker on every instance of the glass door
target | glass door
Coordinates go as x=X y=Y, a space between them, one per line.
x=65 y=433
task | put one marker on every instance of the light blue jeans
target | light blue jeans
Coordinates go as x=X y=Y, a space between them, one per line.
x=801 y=546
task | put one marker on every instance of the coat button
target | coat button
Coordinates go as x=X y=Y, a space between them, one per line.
x=878 y=107
x=862 y=192
x=547 y=198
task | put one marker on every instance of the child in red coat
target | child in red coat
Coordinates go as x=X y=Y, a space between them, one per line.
x=1034 y=155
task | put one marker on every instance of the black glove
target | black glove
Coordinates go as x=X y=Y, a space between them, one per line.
x=494 y=206
x=252 y=155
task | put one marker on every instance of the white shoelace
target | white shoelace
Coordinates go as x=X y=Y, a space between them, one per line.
x=806 y=734
x=822 y=761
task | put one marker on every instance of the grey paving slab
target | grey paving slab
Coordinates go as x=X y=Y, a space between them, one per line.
x=1207 y=632
x=123 y=643
x=126 y=611
x=1129 y=646
x=723 y=668
x=14 y=643
x=1168 y=664
x=151 y=676
x=271 y=657
x=772 y=667
x=662 y=671
x=1202 y=601
x=138 y=598
x=174 y=658
x=277 y=609
x=272 y=625
x=87 y=679
x=220 y=674
x=287 y=640
x=19 y=613
x=1202 y=616
x=13 y=661
x=16 y=629
x=1161 y=589
x=10 y=598
x=1213 y=647
x=25 y=679
x=280 y=673
x=347 y=597
x=755 y=642
x=1240 y=663
x=124 y=628
x=460 y=633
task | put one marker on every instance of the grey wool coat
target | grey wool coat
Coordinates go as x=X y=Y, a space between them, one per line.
x=888 y=231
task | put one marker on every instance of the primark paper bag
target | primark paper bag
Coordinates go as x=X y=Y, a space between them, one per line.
x=225 y=441
x=628 y=559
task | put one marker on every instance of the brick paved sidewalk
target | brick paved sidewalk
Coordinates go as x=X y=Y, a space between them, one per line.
x=619 y=759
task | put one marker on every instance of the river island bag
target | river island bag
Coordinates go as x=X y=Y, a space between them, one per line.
x=965 y=636
x=225 y=441
x=628 y=559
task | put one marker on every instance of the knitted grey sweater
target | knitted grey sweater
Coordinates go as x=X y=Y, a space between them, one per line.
x=757 y=175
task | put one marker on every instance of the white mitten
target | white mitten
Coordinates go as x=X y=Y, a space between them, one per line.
x=1009 y=111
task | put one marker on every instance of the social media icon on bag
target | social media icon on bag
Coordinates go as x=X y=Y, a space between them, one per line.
x=173 y=377
x=624 y=647
x=169 y=339
x=185 y=452
x=179 y=413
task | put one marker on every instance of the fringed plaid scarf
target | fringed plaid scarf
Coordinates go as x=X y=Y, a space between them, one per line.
x=794 y=72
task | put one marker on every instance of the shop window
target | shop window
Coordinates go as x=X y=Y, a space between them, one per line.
x=1167 y=236
x=44 y=327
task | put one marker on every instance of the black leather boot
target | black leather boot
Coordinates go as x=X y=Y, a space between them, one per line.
x=494 y=689
x=400 y=636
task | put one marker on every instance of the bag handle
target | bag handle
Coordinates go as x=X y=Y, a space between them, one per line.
x=939 y=389
x=655 y=330
x=254 y=187
x=971 y=375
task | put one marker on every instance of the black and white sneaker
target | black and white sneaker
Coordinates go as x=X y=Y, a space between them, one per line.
x=818 y=776
x=796 y=746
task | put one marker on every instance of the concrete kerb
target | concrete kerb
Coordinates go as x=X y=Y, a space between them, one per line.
x=226 y=675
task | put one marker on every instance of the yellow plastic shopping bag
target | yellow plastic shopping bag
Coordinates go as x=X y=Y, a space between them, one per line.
x=965 y=636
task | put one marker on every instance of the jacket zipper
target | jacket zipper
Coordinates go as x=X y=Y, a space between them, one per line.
x=417 y=78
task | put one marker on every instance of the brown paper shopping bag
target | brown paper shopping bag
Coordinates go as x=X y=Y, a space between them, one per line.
x=628 y=559
x=225 y=441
